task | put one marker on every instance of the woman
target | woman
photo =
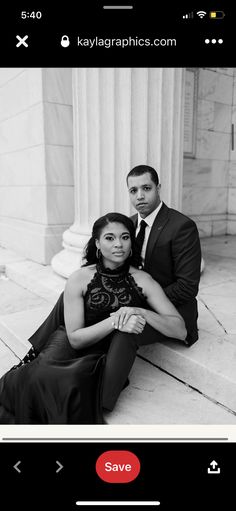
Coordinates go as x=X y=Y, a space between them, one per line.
x=108 y=306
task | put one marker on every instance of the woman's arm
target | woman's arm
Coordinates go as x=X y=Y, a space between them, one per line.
x=164 y=317
x=80 y=336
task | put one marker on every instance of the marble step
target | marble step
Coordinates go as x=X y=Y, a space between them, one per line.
x=39 y=279
x=154 y=397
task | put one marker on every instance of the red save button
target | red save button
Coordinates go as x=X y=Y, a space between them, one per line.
x=118 y=466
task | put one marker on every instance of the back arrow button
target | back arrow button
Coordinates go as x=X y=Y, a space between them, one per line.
x=16 y=467
x=60 y=466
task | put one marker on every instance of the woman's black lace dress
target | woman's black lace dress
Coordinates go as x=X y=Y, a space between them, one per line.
x=62 y=385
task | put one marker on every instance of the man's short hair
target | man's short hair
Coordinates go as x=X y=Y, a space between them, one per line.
x=139 y=170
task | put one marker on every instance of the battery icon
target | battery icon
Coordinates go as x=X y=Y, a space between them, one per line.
x=217 y=15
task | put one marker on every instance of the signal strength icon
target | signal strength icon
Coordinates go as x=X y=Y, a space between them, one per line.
x=201 y=14
x=187 y=16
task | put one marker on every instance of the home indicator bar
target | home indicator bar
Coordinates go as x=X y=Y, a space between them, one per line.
x=118 y=503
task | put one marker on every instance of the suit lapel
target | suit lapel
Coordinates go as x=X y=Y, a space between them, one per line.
x=158 y=224
x=134 y=219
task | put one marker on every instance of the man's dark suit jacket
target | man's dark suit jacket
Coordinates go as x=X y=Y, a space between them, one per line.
x=173 y=258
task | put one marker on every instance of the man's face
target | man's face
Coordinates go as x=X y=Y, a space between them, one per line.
x=144 y=194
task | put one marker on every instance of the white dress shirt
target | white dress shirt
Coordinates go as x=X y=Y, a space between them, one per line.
x=149 y=221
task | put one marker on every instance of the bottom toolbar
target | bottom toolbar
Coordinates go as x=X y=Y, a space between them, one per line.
x=133 y=475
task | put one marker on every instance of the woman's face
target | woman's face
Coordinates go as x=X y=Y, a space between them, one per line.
x=115 y=244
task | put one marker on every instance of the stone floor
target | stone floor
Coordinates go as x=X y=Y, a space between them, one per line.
x=169 y=383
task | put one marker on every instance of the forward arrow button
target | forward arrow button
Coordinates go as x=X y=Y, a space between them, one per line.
x=60 y=466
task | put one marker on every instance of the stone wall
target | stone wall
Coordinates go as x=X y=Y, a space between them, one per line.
x=36 y=160
x=231 y=224
x=209 y=179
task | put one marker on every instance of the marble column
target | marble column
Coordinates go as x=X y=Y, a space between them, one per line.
x=122 y=117
x=36 y=160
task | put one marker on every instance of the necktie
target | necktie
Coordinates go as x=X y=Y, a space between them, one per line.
x=139 y=243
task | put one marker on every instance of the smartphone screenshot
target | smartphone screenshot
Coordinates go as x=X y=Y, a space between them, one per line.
x=117 y=256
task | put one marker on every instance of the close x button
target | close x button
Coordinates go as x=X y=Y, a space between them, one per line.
x=118 y=466
x=22 y=41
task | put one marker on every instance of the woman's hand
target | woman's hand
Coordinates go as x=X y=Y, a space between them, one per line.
x=134 y=325
x=122 y=315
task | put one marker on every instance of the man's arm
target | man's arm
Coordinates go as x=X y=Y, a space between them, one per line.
x=186 y=256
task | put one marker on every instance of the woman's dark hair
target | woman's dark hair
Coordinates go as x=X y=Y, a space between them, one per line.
x=90 y=251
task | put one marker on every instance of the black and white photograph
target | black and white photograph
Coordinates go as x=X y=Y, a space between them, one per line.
x=118 y=246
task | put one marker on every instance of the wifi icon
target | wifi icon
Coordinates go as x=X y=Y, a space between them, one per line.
x=201 y=14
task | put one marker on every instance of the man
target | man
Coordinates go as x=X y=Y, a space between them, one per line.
x=170 y=250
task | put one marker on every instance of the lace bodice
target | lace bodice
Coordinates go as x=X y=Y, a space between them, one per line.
x=108 y=291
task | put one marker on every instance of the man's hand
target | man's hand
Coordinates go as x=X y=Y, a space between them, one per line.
x=121 y=316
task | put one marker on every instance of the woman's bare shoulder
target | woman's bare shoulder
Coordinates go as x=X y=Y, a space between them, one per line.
x=139 y=275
